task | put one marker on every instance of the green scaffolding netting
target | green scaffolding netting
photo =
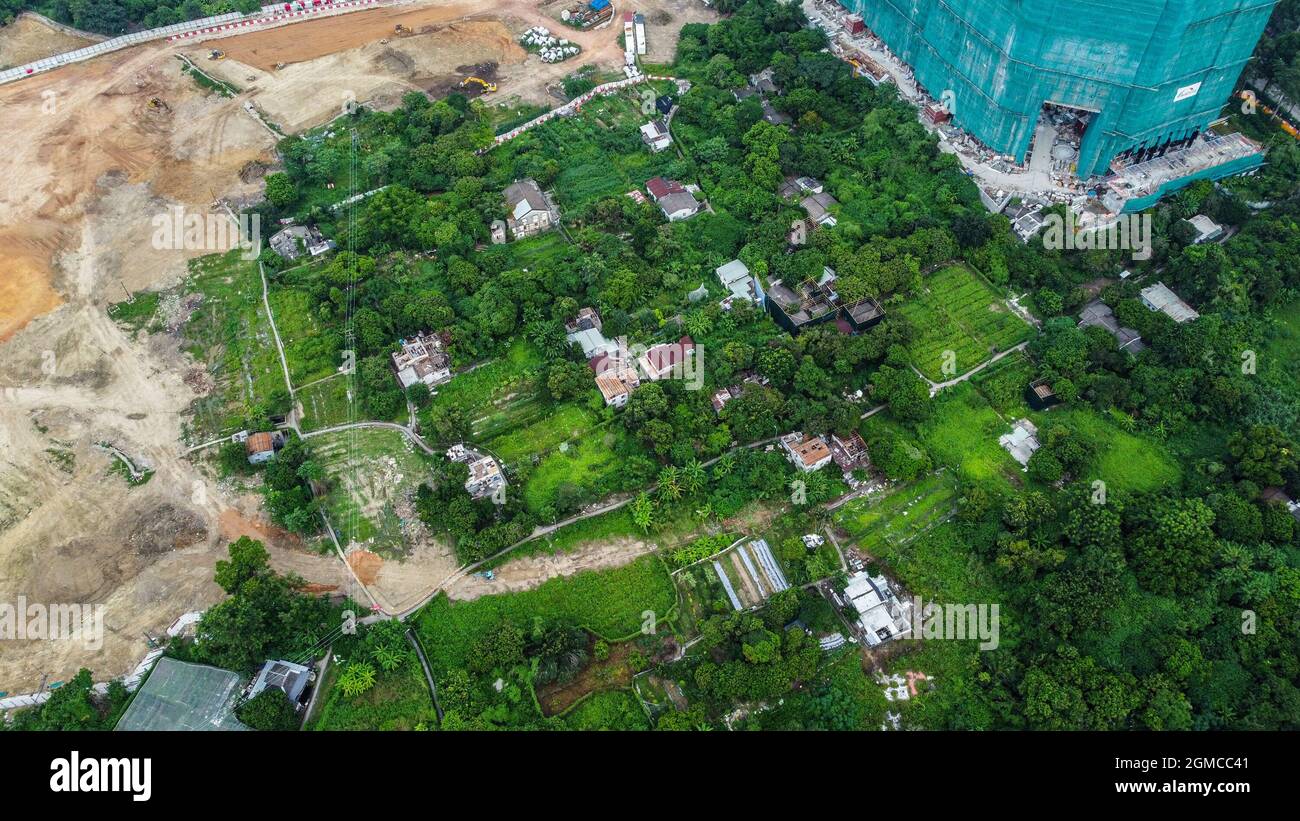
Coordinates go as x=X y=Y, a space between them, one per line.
x=1151 y=71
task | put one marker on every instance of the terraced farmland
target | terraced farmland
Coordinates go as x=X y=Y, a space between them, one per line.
x=959 y=313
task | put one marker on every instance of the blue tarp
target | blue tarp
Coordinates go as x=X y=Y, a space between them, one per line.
x=597 y=5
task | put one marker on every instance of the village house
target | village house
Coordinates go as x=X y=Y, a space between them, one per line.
x=290 y=243
x=530 y=211
x=1207 y=229
x=655 y=135
x=807 y=453
x=485 y=476
x=422 y=359
x=1040 y=396
x=849 y=452
x=674 y=199
x=1158 y=297
x=735 y=277
x=285 y=676
x=668 y=359
x=1022 y=442
x=616 y=385
x=1100 y=314
x=882 y=614
x=498 y=231
x=262 y=447
x=818 y=207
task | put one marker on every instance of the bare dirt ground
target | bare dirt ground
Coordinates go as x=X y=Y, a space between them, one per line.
x=329 y=61
x=87 y=165
x=528 y=572
x=29 y=38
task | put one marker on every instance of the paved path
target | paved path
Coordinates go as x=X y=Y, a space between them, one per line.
x=935 y=387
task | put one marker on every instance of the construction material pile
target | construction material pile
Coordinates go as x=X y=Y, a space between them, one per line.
x=550 y=48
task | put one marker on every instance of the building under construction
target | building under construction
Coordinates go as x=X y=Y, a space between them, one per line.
x=1140 y=77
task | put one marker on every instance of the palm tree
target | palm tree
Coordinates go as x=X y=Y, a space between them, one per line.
x=670 y=482
x=693 y=476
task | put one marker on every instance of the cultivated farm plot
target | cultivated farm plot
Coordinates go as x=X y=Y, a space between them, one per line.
x=957 y=312
x=602 y=150
x=372 y=477
x=324 y=404
x=740 y=578
x=563 y=423
x=900 y=514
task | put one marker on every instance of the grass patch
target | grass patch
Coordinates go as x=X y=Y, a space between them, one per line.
x=500 y=394
x=587 y=466
x=564 y=423
x=399 y=701
x=958 y=312
x=963 y=432
x=136 y=313
x=230 y=334
x=1124 y=461
x=610 y=603
x=311 y=352
x=878 y=523
x=607 y=710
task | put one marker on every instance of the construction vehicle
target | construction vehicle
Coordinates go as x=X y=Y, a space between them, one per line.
x=488 y=88
x=216 y=54
x=401 y=29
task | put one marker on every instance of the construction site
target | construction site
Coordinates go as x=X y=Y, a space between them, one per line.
x=1108 y=138
x=97 y=147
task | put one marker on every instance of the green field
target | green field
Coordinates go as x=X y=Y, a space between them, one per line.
x=563 y=423
x=610 y=603
x=963 y=432
x=958 y=312
x=1124 y=461
x=500 y=394
x=607 y=710
x=602 y=152
x=369 y=472
x=325 y=404
x=878 y=523
x=230 y=334
x=398 y=701
x=311 y=353
x=588 y=466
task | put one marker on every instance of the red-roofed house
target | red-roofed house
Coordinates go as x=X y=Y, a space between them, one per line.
x=661 y=360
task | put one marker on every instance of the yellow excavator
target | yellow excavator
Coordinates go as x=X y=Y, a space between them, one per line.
x=400 y=29
x=488 y=88
x=216 y=54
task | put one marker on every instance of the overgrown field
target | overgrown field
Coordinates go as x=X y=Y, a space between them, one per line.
x=609 y=603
